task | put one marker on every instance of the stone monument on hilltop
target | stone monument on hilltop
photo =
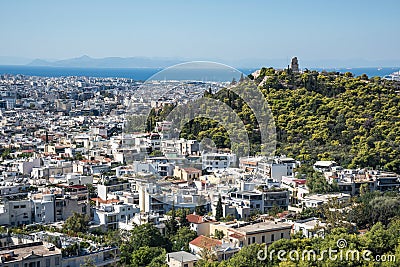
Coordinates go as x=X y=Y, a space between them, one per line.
x=294 y=65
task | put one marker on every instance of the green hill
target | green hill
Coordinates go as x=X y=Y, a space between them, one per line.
x=319 y=116
x=332 y=116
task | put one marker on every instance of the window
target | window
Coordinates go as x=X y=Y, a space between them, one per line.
x=57 y=261
x=282 y=235
x=272 y=238
x=186 y=265
x=16 y=265
x=263 y=239
x=254 y=239
x=248 y=241
x=48 y=263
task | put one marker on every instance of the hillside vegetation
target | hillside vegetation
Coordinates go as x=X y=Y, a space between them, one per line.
x=318 y=116
x=332 y=116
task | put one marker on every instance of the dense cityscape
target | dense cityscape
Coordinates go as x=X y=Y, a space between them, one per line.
x=199 y=133
x=76 y=185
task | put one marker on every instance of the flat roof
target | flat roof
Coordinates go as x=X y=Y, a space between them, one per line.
x=26 y=251
x=182 y=256
x=326 y=197
x=314 y=223
x=252 y=193
x=263 y=227
x=325 y=163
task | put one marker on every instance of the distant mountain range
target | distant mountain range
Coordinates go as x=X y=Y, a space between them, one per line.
x=108 y=62
x=161 y=62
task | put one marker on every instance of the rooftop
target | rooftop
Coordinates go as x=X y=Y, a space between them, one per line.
x=326 y=197
x=182 y=256
x=193 y=218
x=205 y=242
x=191 y=170
x=311 y=223
x=25 y=251
x=262 y=227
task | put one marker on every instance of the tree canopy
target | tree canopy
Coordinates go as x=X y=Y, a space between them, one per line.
x=318 y=116
x=77 y=223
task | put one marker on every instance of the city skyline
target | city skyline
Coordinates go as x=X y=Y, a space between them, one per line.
x=339 y=34
x=198 y=133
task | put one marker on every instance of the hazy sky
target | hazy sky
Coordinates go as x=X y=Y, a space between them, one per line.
x=231 y=30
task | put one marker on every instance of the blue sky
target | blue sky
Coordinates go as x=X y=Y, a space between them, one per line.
x=246 y=31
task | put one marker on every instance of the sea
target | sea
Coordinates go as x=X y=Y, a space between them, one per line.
x=142 y=74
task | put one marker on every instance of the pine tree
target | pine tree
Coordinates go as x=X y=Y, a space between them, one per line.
x=219 y=213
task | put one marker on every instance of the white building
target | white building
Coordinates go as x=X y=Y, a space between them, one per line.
x=309 y=227
x=44 y=209
x=217 y=161
x=181 y=259
x=34 y=254
x=313 y=201
x=111 y=186
x=109 y=216
x=16 y=212
x=26 y=167
x=277 y=168
x=244 y=202
x=324 y=165
x=107 y=256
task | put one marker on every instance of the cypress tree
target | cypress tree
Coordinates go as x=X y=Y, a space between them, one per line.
x=219 y=213
x=183 y=220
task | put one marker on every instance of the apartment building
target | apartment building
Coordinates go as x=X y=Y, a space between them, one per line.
x=262 y=232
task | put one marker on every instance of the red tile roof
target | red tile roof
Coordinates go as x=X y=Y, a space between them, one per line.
x=193 y=218
x=300 y=181
x=108 y=201
x=76 y=186
x=205 y=242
